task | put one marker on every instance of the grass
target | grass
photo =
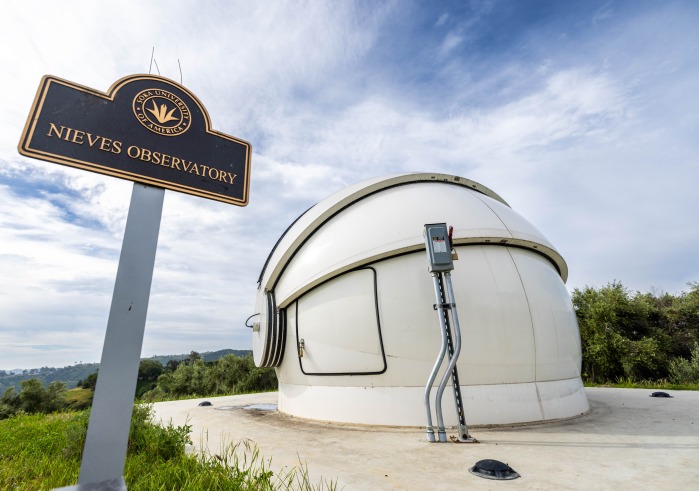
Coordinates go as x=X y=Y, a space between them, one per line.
x=627 y=383
x=78 y=399
x=42 y=452
x=182 y=397
x=37 y=451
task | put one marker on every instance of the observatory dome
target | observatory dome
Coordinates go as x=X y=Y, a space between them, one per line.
x=346 y=311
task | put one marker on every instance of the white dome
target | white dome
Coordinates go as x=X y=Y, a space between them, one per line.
x=349 y=279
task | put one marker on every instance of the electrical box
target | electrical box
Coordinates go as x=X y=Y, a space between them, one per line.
x=438 y=247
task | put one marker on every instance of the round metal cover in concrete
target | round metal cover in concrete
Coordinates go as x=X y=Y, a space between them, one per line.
x=493 y=469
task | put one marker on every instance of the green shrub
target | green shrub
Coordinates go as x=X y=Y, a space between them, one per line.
x=162 y=442
x=229 y=375
x=33 y=398
x=635 y=336
x=683 y=371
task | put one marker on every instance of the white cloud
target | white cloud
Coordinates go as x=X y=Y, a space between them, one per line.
x=593 y=141
x=451 y=41
x=442 y=20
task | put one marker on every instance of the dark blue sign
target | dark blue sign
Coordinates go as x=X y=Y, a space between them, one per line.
x=146 y=128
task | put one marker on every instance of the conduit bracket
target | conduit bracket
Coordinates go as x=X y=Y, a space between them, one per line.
x=463 y=439
x=445 y=306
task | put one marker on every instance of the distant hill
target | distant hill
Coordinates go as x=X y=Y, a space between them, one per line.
x=206 y=356
x=70 y=375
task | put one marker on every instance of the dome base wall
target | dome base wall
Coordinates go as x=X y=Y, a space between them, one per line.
x=500 y=404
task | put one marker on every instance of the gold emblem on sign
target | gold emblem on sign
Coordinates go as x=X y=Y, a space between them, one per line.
x=162 y=112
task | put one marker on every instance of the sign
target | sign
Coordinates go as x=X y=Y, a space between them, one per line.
x=154 y=132
x=146 y=128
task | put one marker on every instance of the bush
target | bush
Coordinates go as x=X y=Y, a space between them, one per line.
x=162 y=442
x=643 y=359
x=90 y=382
x=635 y=336
x=33 y=398
x=229 y=375
x=683 y=371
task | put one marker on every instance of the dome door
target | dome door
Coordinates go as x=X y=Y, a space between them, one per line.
x=338 y=322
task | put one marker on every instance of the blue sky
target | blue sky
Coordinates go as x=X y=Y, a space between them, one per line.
x=581 y=114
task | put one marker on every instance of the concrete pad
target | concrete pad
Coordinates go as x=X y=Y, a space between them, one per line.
x=627 y=440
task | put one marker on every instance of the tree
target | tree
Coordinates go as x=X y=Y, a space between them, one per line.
x=33 y=398
x=8 y=403
x=149 y=370
x=601 y=340
x=192 y=358
x=683 y=321
x=683 y=371
x=229 y=375
x=89 y=383
x=634 y=335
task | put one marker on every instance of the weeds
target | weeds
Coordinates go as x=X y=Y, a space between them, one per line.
x=683 y=371
x=629 y=383
x=252 y=471
x=42 y=452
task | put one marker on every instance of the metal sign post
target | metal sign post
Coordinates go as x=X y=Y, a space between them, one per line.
x=108 y=432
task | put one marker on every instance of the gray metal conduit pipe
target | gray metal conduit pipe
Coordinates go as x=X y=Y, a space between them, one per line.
x=435 y=369
x=452 y=363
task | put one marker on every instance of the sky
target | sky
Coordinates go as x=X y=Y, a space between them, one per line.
x=582 y=115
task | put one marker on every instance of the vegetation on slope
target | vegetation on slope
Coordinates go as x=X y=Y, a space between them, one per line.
x=632 y=337
x=42 y=452
x=71 y=375
x=229 y=375
x=187 y=378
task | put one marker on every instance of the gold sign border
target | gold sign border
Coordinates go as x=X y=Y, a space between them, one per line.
x=37 y=106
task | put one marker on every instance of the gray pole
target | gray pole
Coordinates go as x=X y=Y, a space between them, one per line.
x=108 y=432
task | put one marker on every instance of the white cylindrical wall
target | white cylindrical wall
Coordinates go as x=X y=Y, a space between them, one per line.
x=350 y=280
